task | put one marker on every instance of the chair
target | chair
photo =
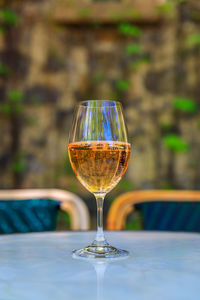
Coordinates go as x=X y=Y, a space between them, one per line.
x=41 y=202
x=123 y=206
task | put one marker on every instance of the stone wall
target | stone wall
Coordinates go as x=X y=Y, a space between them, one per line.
x=153 y=68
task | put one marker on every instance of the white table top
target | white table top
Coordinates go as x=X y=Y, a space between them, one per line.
x=162 y=266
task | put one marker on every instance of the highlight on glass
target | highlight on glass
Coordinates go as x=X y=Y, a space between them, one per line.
x=99 y=154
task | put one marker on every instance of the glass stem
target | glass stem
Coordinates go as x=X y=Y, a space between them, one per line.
x=100 y=238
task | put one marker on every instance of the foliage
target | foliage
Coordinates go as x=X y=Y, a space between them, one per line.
x=134 y=49
x=193 y=39
x=122 y=85
x=133 y=13
x=146 y=58
x=67 y=168
x=4 y=70
x=5 y=108
x=9 y=17
x=134 y=222
x=30 y=121
x=175 y=143
x=143 y=60
x=13 y=104
x=85 y=12
x=18 y=166
x=15 y=96
x=125 y=185
x=2 y=30
x=167 y=186
x=166 y=8
x=196 y=15
x=128 y=29
x=63 y=221
x=185 y=105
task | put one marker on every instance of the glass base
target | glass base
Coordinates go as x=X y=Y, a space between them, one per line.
x=105 y=251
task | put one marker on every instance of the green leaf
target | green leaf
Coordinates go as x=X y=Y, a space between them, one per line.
x=17 y=108
x=6 y=108
x=67 y=168
x=146 y=59
x=133 y=13
x=193 y=39
x=15 y=96
x=18 y=167
x=125 y=185
x=143 y=60
x=85 y=12
x=134 y=49
x=128 y=29
x=166 y=8
x=9 y=17
x=10 y=108
x=67 y=220
x=2 y=30
x=167 y=186
x=134 y=65
x=134 y=221
x=185 y=105
x=124 y=13
x=30 y=121
x=4 y=70
x=63 y=220
x=175 y=143
x=122 y=85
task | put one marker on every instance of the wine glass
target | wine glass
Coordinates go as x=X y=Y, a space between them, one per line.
x=99 y=153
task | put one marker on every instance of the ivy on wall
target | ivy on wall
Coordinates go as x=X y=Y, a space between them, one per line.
x=12 y=105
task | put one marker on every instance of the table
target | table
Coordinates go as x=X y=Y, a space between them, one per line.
x=39 y=266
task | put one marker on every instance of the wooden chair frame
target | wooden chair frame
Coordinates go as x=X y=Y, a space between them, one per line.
x=123 y=205
x=69 y=202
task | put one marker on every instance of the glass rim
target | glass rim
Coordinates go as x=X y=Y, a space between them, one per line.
x=102 y=102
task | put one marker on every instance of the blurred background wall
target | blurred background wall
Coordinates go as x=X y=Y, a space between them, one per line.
x=146 y=54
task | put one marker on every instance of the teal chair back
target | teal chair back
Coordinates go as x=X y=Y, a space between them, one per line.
x=33 y=215
x=35 y=210
x=175 y=210
x=171 y=216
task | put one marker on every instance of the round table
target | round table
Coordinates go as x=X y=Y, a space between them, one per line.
x=40 y=267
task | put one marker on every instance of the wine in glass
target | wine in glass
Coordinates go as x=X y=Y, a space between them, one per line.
x=99 y=154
